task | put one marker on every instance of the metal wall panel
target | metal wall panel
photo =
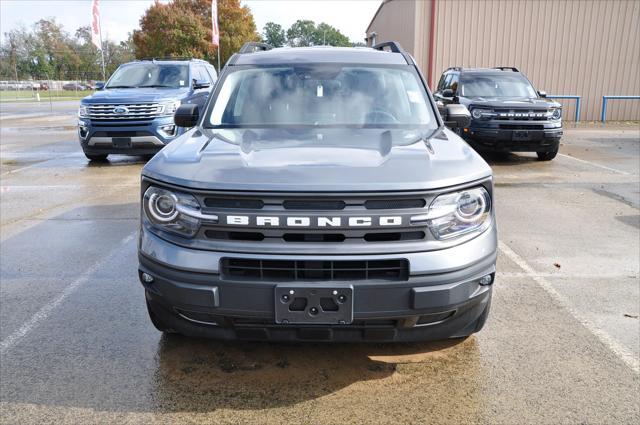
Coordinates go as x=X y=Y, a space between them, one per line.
x=395 y=20
x=585 y=47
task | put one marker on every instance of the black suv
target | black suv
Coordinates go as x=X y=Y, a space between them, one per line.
x=507 y=113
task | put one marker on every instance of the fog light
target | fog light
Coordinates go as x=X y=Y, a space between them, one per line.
x=486 y=280
x=147 y=278
x=168 y=130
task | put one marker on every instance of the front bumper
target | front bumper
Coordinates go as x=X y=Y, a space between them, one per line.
x=514 y=136
x=442 y=297
x=128 y=138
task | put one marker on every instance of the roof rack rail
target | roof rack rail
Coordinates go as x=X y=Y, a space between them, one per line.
x=506 y=68
x=453 y=68
x=254 y=46
x=394 y=47
x=169 y=58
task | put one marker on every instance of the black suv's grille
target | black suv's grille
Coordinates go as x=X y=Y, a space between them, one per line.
x=294 y=270
x=515 y=114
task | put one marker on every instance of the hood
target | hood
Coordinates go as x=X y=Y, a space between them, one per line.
x=510 y=102
x=140 y=95
x=335 y=160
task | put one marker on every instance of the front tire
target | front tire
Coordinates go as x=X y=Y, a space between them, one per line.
x=96 y=157
x=547 y=156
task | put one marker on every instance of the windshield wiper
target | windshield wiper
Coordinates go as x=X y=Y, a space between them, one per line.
x=156 y=85
x=120 y=87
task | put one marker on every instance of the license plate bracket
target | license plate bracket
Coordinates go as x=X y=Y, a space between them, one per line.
x=521 y=135
x=321 y=304
x=121 y=142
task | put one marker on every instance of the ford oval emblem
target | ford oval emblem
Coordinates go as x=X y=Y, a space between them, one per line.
x=121 y=110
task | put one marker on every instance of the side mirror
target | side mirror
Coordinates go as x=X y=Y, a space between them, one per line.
x=458 y=116
x=99 y=85
x=201 y=84
x=186 y=116
x=447 y=93
x=542 y=93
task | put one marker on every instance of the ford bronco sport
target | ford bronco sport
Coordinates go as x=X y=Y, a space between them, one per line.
x=132 y=113
x=318 y=197
x=507 y=113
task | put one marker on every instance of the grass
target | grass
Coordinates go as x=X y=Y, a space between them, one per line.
x=30 y=96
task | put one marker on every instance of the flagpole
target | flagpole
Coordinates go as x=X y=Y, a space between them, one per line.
x=218 y=49
x=104 y=75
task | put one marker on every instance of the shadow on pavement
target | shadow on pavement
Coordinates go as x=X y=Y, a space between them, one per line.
x=206 y=375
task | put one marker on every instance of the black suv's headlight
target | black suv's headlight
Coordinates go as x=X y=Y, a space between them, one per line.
x=173 y=211
x=480 y=113
x=83 y=111
x=459 y=213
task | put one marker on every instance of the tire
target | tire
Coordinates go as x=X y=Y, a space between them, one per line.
x=158 y=322
x=547 y=156
x=96 y=157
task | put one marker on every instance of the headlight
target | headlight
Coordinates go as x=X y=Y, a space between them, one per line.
x=172 y=211
x=556 y=114
x=83 y=112
x=169 y=108
x=480 y=113
x=459 y=213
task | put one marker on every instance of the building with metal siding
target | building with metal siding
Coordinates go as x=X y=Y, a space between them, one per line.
x=588 y=48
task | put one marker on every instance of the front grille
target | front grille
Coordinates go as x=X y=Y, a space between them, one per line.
x=521 y=126
x=313 y=270
x=135 y=111
x=281 y=219
x=506 y=114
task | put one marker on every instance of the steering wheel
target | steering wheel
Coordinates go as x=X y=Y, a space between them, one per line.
x=378 y=116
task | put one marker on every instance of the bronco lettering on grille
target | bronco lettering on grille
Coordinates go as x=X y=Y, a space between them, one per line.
x=275 y=221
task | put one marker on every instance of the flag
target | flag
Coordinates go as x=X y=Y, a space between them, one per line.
x=96 y=39
x=215 y=33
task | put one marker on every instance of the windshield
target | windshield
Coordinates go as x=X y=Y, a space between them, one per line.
x=322 y=95
x=150 y=75
x=502 y=85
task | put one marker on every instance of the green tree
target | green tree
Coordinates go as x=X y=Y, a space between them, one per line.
x=183 y=28
x=274 y=35
x=306 y=33
x=301 y=33
x=326 y=35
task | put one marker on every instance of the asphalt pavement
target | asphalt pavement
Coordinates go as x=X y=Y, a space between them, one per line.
x=561 y=345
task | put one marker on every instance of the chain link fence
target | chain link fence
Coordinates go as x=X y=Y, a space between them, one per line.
x=41 y=88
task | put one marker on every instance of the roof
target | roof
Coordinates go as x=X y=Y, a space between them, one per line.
x=320 y=54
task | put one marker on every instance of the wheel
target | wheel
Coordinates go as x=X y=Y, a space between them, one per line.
x=157 y=321
x=547 y=156
x=96 y=157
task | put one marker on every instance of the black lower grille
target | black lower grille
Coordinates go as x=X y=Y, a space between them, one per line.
x=333 y=270
x=521 y=127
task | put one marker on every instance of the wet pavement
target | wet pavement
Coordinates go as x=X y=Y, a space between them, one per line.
x=76 y=346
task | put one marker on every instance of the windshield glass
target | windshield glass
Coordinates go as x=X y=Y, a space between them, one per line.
x=150 y=75
x=502 y=85
x=322 y=95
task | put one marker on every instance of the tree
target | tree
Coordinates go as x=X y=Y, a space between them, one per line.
x=306 y=33
x=326 y=35
x=48 y=51
x=274 y=35
x=301 y=33
x=183 y=28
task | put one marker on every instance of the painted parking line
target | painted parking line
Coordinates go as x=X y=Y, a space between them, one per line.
x=621 y=352
x=42 y=314
x=604 y=167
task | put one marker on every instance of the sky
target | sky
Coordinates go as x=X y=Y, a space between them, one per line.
x=119 y=17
